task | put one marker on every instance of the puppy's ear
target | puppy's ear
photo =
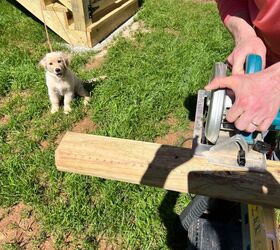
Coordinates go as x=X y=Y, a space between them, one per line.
x=66 y=59
x=43 y=62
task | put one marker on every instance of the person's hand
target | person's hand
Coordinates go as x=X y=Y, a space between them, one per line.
x=244 y=47
x=257 y=98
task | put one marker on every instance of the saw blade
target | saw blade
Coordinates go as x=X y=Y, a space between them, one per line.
x=215 y=106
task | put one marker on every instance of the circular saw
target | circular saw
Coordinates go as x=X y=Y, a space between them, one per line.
x=216 y=107
x=218 y=139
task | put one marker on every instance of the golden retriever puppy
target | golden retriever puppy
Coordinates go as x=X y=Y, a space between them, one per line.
x=61 y=81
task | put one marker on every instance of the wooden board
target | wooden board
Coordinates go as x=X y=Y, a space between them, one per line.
x=105 y=25
x=99 y=5
x=66 y=3
x=103 y=7
x=80 y=14
x=263 y=230
x=168 y=167
x=46 y=2
x=56 y=7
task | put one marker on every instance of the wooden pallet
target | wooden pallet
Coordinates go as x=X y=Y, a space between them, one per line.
x=82 y=22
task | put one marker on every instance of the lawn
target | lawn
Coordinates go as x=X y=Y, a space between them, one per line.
x=149 y=78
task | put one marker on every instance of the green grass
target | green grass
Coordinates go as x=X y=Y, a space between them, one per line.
x=148 y=80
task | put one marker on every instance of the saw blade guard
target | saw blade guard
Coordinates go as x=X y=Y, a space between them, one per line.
x=215 y=106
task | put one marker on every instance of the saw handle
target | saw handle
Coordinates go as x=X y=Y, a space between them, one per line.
x=275 y=126
x=253 y=64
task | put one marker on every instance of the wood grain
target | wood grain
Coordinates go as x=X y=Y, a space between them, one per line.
x=56 y=21
x=167 y=167
x=70 y=18
x=66 y=3
x=106 y=24
x=263 y=230
x=80 y=14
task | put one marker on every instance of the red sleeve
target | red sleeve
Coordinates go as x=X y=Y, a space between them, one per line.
x=229 y=8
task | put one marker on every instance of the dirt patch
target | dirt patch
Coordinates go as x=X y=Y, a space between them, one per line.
x=44 y=144
x=188 y=135
x=19 y=226
x=103 y=245
x=84 y=126
x=97 y=61
x=14 y=94
x=171 y=121
x=106 y=244
x=178 y=138
x=48 y=244
x=4 y=120
x=172 y=31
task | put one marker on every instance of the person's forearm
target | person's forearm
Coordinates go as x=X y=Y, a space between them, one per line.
x=239 y=29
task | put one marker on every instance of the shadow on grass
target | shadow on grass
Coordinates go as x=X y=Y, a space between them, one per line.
x=171 y=157
x=190 y=105
x=141 y=2
x=177 y=237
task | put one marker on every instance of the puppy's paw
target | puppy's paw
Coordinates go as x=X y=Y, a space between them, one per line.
x=86 y=100
x=54 y=109
x=67 y=109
